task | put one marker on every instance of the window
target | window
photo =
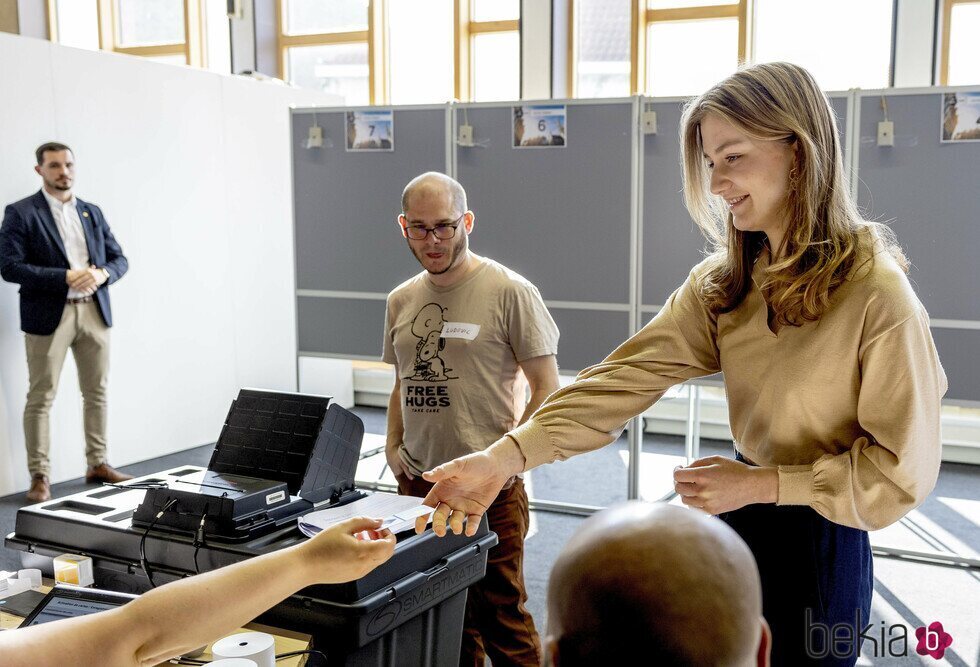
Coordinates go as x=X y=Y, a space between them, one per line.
x=960 y=62
x=165 y=30
x=682 y=47
x=336 y=47
x=654 y=47
x=709 y=40
x=420 y=51
x=599 y=35
x=488 y=50
x=402 y=51
x=860 y=31
x=74 y=23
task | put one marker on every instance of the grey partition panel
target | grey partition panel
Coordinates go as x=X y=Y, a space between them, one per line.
x=559 y=216
x=672 y=243
x=839 y=104
x=340 y=326
x=588 y=336
x=927 y=191
x=346 y=202
x=959 y=352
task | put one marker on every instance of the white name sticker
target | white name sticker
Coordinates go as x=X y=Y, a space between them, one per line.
x=460 y=330
x=275 y=497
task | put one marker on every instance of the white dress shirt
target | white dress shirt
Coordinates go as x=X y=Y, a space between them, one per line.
x=72 y=235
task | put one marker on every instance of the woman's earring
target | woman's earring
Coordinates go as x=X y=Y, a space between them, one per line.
x=794 y=177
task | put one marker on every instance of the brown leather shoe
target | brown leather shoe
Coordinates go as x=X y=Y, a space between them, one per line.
x=40 y=489
x=105 y=473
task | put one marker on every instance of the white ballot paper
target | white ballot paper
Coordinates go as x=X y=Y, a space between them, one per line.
x=399 y=513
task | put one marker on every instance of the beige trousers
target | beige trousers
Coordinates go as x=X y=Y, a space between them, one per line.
x=81 y=329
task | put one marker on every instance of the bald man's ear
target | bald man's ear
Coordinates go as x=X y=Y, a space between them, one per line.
x=402 y=221
x=469 y=221
x=765 y=645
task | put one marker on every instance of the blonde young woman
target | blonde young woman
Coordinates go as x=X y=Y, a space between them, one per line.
x=832 y=377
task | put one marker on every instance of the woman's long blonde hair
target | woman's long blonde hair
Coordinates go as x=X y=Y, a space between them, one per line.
x=825 y=235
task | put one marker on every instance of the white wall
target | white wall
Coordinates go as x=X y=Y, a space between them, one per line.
x=192 y=170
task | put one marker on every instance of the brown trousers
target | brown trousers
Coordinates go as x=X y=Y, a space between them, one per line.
x=497 y=621
x=82 y=330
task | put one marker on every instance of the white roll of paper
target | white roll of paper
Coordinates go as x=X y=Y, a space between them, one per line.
x=256 y=646
x=32 y=575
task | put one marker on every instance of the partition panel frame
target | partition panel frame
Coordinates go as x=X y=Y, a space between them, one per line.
x=903 y=92
x=631 y=306
x=636 y=309
x=635 y=426
x=367 y=296
x=935 y=324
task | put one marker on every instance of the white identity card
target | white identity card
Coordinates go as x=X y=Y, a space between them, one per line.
x=399 y=513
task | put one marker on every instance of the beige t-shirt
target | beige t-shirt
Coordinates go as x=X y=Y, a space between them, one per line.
x=457 y=352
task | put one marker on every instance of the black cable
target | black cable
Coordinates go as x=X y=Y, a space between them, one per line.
x=199 y=541
x=143 y=561
x=138 y=485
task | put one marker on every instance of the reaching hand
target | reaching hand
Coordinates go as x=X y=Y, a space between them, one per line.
x=349 y=550
x=466 y=486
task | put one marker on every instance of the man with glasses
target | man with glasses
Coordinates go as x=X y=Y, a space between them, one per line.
x=463 y=335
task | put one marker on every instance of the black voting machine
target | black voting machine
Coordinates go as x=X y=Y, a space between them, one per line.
x=277 y=457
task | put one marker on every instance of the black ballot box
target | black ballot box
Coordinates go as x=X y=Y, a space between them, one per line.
x=408 y=611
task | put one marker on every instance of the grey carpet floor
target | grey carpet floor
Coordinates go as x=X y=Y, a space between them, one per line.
x=908 y=593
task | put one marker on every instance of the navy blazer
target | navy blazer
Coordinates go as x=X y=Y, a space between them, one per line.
x=33 y=255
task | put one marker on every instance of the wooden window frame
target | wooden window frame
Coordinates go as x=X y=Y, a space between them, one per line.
x=375 y=37
x=643 y=17
x=465 y=32
x=947 y=19
x=640 y=19
x=192 y=48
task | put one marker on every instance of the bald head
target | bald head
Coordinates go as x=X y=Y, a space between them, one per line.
x=436 y=185
x=670 y=584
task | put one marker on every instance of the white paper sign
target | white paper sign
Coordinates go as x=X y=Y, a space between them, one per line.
x=462 y=330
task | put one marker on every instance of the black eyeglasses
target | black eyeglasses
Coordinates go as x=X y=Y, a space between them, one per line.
x=442 y=231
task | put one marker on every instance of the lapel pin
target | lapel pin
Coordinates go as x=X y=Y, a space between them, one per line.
x=84 y=214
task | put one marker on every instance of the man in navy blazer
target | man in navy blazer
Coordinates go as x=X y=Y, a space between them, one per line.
x=61 y=252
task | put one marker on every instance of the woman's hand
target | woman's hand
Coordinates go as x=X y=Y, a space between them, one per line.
x=348 y=550
x=465 y=487
x=717 y=484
